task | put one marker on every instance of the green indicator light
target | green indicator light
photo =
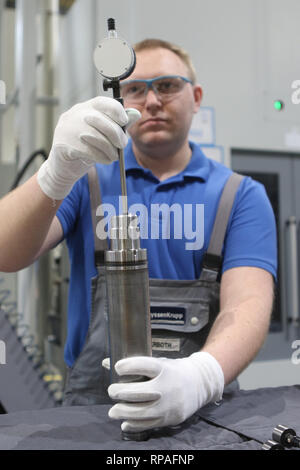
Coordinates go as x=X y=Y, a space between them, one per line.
x=278 y=105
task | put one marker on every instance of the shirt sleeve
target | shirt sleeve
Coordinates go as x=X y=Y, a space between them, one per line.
x=69 y=209
x=251 y=238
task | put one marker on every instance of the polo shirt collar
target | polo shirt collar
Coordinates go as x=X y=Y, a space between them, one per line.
x=197 y=168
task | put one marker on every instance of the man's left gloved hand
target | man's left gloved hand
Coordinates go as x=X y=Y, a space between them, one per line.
x=177 y=389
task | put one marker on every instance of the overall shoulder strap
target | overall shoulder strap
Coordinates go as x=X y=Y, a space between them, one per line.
x=212 y=260
x=95 y=201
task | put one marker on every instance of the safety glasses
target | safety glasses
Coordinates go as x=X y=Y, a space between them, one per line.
x=166 y=86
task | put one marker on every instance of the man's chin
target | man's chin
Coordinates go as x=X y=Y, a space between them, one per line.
x=153 y=139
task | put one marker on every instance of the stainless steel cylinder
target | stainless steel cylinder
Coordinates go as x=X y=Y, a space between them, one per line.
x=128 y=300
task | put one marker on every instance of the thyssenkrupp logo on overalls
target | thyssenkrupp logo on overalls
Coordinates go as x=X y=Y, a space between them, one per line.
x=2 y=92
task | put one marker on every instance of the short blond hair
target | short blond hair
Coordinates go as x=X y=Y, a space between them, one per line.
x=179 y=51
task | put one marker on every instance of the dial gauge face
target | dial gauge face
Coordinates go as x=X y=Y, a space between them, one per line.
x=114 y=58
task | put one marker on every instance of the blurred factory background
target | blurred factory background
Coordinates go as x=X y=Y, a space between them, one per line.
x=247 y=58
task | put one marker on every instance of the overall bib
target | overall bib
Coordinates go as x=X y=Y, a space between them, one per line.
x=182 y=311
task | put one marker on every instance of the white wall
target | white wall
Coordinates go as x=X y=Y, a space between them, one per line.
x=78 y=41
x=8 y=144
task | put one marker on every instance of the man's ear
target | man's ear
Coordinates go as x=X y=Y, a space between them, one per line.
x=198 y=94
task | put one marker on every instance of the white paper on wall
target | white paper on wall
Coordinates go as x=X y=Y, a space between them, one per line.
x=203 y=126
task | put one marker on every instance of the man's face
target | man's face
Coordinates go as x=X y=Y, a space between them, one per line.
x=164 y=124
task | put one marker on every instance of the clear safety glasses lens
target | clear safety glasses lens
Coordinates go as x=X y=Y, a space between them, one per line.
x=136 y=90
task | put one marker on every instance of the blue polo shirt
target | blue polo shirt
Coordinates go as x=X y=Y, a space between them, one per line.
x=176 y=242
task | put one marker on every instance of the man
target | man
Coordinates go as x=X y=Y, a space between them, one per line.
x=162 y=166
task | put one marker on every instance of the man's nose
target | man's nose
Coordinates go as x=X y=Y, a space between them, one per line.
x=153 y=99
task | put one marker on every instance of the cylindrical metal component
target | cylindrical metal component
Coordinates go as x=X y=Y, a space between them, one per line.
x=128 y=300
x=136 y=436
x=127 y=284
x=125 y=240
x=284 y=435
x=272 y=445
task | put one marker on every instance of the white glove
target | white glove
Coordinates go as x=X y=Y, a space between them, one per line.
x=89 y=132
x=177 y=389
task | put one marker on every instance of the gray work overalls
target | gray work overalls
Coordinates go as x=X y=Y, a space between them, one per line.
x=191 y=306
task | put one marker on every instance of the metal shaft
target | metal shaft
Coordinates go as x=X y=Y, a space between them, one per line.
x=123 y=182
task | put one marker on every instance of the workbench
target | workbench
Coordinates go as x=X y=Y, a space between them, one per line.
x=243 y=420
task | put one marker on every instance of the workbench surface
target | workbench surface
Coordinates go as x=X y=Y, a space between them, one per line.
x=243 y=420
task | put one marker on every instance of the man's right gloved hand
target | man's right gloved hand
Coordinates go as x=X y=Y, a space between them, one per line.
x=89 y=132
